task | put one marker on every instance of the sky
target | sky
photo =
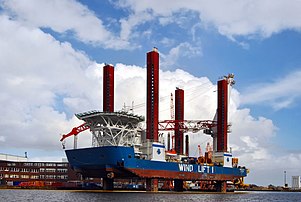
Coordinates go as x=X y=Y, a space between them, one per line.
x=52 y=54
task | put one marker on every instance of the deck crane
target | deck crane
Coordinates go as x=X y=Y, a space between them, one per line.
x=75 y=131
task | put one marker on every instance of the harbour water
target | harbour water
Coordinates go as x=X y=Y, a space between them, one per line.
x=89 y=196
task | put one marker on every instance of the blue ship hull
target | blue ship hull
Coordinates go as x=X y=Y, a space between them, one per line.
x=120 y=162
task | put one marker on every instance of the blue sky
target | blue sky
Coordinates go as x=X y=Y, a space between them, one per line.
x=53 y=52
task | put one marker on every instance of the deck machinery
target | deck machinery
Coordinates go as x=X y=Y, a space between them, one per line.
x=123 y=149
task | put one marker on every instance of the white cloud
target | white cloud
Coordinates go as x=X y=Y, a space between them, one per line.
x=184 y=49
x=64 y=16
x=281 y=93
x=167 y=41
x=231 y=18
x=128 y=25
x=36 y=71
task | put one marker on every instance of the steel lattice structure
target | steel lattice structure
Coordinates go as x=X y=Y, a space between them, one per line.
x=186 y=125
x=113 y=129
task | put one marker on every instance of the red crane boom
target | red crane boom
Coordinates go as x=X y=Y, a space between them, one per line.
x=76 y=130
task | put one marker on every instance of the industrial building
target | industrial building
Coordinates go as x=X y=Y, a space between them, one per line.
x=296 y=182
x=18 y=171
